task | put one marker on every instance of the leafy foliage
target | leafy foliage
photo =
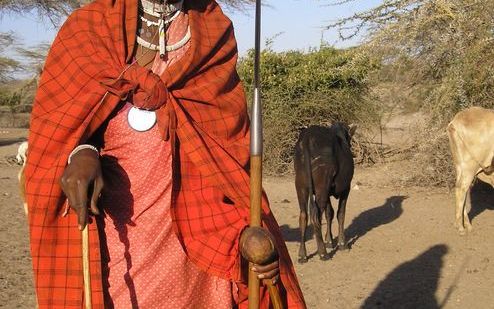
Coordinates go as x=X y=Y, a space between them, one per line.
x=7 y=64
x=18 y=95
x=34 y=57
x=55 y=10
x=441 y=54
x=300 y=89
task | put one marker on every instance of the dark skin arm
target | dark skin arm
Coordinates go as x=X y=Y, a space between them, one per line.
x=84 y=171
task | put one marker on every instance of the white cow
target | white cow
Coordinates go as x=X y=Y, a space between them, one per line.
x=21 y=158
x=471 y=138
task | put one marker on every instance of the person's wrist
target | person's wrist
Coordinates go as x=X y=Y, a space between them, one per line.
x=83 y=150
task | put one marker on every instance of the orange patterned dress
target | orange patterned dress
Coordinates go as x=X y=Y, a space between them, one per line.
x=146 y=266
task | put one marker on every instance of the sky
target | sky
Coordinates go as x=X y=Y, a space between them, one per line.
x=293 y=24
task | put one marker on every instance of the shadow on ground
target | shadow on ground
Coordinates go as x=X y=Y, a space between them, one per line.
x=481 y=198
x=293 y=234
x=412 y=284
x=375 y=217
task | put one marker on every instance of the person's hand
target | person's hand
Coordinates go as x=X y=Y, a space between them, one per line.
x=83 y=171
x=268 y=272
x=258 y=247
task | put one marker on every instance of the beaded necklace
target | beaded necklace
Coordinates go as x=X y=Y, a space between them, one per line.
x=166 y=13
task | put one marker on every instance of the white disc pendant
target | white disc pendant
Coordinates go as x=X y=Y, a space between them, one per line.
x=141 y=120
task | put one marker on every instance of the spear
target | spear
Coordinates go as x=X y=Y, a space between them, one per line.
x=261 y=256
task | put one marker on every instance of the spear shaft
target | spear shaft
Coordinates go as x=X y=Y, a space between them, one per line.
x=255 y=157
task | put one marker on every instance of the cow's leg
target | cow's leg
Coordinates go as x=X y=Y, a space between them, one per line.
x=463 y=182
x=316 y=216
x=329 y=219
x=466 y=210
x=303 y=196
x=342 y=245
x=22 y=186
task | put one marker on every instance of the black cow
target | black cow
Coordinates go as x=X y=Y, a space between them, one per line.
x=323 y=168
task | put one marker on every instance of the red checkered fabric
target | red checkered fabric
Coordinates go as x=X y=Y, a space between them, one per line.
x=208 y=127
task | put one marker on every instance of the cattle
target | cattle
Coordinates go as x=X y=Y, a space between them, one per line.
x=21 y=153
x=323 y=168
x=471 y=139
x=21 y=159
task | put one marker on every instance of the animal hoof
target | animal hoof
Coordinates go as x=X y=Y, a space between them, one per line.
x=462 y=232
x=343 y=247
x=324 y=257
x=302 y=260
x=330 y=245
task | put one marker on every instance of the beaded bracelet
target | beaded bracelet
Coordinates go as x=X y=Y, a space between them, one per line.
x=79 y=148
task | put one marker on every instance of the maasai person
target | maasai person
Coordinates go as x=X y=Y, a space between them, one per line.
x=144 y=97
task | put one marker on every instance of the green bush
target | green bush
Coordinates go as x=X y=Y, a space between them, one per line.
x=10 y=98
x=300 y=89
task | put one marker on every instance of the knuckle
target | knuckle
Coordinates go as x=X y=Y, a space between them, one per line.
x=77 y=206
x=69 y=181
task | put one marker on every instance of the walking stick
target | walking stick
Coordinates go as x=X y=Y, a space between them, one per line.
x=85 y=267
x=256 y=181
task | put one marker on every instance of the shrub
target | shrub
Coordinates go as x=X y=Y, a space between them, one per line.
x=300 y=89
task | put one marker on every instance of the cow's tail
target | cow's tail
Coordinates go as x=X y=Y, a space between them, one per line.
x=313 y=209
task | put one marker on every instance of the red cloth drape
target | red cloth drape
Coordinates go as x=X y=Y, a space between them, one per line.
x=208 y=127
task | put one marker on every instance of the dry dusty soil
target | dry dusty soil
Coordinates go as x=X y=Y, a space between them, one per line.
x=405 y=252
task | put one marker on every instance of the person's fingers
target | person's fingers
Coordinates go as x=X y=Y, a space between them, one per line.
x=275 y=279
x=265 y=268
x=272 y=281
x=72 y=194
x=66 y=208
x=269 y=274
x=268 y=271
x=98 y=186
x=81 y=208
x=69 y=190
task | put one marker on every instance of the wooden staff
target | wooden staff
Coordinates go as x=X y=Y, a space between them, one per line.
x=255 y=158
x=256 y=178
x=85 y=267
x=258 y=247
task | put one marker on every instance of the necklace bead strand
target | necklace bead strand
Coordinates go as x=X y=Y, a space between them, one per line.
x=166 y=14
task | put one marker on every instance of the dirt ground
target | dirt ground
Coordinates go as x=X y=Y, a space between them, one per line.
x=405 y=252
